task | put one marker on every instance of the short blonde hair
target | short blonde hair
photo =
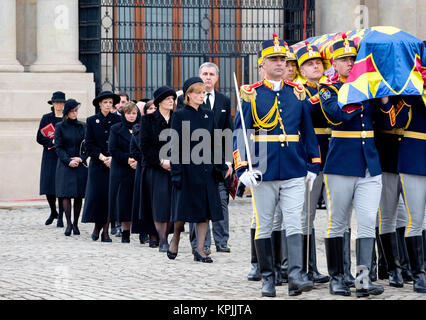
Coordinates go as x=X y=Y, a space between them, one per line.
x=129 y=107
x=195 y=87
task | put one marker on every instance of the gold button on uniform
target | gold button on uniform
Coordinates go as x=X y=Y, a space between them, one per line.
x=362 y=115
x=281 y=137
x=363 y=135
x=363 y=142
x=363 y=125
x=282 y=144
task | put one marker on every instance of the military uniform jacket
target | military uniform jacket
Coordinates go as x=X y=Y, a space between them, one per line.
x=387 y=137
x=49 y=157
x=284 y=159
x=412 y=151
x=321 y=125
x=349 y=156
x=70 y=182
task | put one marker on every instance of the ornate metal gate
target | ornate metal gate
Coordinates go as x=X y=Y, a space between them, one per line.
x=136 y=46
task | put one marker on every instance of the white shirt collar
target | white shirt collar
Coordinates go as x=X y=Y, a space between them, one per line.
x=277 y=85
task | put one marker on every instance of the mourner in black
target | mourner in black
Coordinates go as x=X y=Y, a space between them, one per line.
x=49 y=158
x=71 y=171
x=221 y=107
x=155 y=182
x=195 y=196
x=97 y=134
x=135 y=152
x=123 y=168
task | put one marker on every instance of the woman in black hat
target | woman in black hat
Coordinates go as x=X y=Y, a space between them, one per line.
x=97 y=134
x=71 y=172
x=49 y=159
x=137 y=226
x=123 y=168
x=195 y=196
x=155 y=182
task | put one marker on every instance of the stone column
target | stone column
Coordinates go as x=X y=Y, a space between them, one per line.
x=8 y=62
x=57 y=37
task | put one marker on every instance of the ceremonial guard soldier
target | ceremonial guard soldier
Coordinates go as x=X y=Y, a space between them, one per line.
x=387 y=139
x=312 y=69
x=278 y=113
x=412 y=170
x=352 y=175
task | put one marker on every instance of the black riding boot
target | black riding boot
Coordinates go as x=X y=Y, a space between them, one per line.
x=266 y=266
x=254 y=274
x=382 y=266
x=390 y=250
x=416 y=257
x=347 y=275
x=335 y=265
x=364 y=254
x=276 y=249
x=424 y=247
x=298 y=281
x=284 y=260
x=403 y=255
x=313 y=273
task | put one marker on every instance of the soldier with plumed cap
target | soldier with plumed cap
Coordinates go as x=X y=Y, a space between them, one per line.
x=282 y=138
x=311 y=69
x=412 y=171
x=291 y=70
x=96 y=204
x=352 y=175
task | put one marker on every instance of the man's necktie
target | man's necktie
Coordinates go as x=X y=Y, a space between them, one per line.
x=208 y=101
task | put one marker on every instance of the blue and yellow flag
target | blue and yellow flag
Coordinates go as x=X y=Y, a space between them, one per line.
x=389 y=62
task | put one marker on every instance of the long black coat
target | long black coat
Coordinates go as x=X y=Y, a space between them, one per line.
x=70 y=182
x=49 y=158
x=122 y=175
x=195 y=196
x=97 y=135
x=155 y=181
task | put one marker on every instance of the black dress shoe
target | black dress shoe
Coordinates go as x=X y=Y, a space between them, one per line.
x=164 y=247
x=60 y=223
x=199 y=257
x=68 y=230
x=171 y=255
x=143 y=238
x=53 y=216
x=75 y=230
x=224 y=248
x=153 y=244
x=95 y=237
x=104 y=239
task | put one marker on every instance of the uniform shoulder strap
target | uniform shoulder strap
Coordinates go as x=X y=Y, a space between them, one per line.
x=248 y=92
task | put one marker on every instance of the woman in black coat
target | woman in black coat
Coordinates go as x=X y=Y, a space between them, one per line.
x=135 y=152
x=195 y=196
x=49 y=158
x=96 y=139
x=155 y=182
x=71 y=172
x=123 y=168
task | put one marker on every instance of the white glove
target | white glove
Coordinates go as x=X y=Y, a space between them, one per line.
x=248 y=178
x=310 y=178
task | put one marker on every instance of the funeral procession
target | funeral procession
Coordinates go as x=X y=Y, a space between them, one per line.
x=211 y=150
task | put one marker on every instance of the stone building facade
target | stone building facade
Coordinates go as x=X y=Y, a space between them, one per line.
x=39 y=54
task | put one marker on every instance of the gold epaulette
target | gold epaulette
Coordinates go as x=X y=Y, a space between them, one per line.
x=298 y=89
x=248 y=92
x=315 y=99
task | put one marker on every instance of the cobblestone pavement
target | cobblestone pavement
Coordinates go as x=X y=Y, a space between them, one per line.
x=39 y=262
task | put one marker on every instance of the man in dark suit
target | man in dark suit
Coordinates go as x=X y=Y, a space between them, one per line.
x=221 y=107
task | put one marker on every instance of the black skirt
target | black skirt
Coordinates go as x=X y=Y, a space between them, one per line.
x=96 y=198
x=70 y=182
x=156 y=194
x=48 y=171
